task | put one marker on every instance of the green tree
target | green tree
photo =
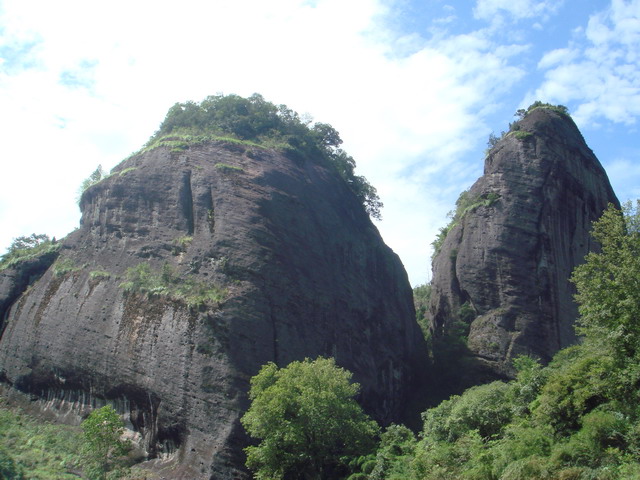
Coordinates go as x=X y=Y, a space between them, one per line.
x=608 y=283
x=103 y=447
x=393 y=458
x=96 y=176
x=307 y=420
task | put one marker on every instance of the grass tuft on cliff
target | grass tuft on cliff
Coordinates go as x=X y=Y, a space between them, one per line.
x=167 y=283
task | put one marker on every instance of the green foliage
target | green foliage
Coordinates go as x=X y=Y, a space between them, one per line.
x=522 y=134
x=181 y=244
x=421 y=298
x=223 y=167
x=608 y=284
x=484 y=409
x=96 y=176
x=515 y=127
x=439 y=241
x=8 y=468
x=576 y=418
x=395 y=453
x=28 y=248
x=464 y=458
x=530 y=378
x=167 y=283
x=103 y=447
x=307 y=421
x=256 y=122
x=64 y=266
x=34 y=449
x=126 y=170
x=99 y=274
x=579 y=381
x=561 y=109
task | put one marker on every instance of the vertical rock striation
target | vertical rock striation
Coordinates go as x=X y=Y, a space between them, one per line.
x=301 y=269
x=502 y=274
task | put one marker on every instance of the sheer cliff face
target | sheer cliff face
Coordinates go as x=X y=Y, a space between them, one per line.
x=502 y=273
x=305 y=274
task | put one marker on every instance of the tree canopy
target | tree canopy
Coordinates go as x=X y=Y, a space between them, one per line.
x=307 y=420
x=608 y=283
x=103 y=446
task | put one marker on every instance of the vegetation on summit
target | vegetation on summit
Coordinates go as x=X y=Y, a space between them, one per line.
x=254 y=121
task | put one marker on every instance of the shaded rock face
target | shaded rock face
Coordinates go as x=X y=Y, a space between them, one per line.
x=15 y=280
x=305 y=271
x=502 y=275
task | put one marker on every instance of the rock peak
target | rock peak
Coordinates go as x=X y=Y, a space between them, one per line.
x=501 y=278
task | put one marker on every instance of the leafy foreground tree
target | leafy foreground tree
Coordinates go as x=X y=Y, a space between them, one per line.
x=307 y=420
x=103 y=448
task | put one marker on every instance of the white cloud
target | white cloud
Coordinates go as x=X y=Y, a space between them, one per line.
x=623 y=173
x=600 y=71
x=556 y=57
x=517 y=9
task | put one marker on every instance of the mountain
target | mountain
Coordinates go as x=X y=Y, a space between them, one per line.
x=196 y=262
x=501 y=276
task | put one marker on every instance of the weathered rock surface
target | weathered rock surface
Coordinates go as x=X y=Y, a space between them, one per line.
x=503 y=271
x=306 y=274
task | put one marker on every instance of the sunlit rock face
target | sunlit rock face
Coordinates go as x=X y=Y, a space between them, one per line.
x=301 y=269
x=503 y=271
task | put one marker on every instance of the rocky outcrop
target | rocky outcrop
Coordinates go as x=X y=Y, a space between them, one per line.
x=16 y=278
x=501 y=278
x=190 y=270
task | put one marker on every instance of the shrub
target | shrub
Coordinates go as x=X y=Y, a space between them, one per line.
x=483 y=408
x=522 y=134
x=421 y=297
x=181 y=244
x=96 y=177
x=396 y=450
x=99 y=274
x=28 y=248
x=185 y=289
x=64 y=266
x=223 y=167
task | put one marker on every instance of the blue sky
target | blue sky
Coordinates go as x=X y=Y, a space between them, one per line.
x=414 y=87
